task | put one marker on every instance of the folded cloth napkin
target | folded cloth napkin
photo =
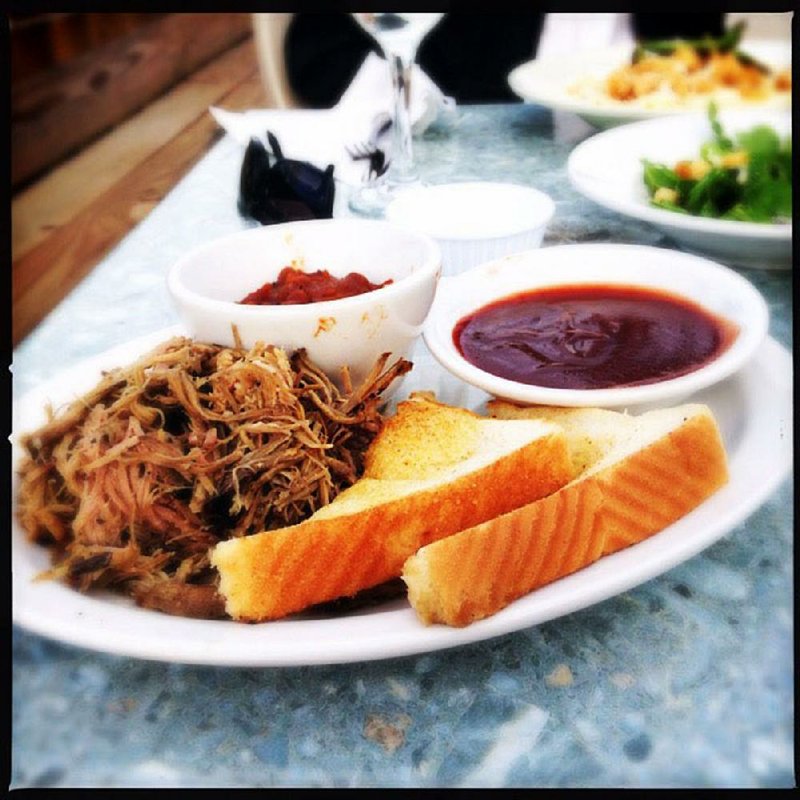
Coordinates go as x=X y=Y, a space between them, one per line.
x=323 y=136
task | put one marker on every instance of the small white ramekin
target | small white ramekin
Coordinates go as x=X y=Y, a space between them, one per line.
x=207 y=283
x=474 y=222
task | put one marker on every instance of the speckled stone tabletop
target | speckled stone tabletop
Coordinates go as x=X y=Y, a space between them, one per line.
x=686 y=680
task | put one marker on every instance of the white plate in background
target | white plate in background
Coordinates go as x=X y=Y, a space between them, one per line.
x=607 y=168
x=753 y=408
x=574 y=83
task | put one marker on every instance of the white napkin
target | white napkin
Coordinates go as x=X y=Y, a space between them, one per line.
x=565 y=33
x=322 y=136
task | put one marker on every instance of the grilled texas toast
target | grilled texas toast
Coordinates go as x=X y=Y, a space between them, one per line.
x=635 y=476
x=433 y=470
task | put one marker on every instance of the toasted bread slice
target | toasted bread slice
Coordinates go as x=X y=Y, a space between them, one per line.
x=433 y=470
x=636 y=475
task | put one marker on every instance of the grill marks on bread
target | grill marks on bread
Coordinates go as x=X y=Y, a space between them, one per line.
x=635 y=476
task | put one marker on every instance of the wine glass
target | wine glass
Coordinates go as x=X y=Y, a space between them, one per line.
x=399 y=36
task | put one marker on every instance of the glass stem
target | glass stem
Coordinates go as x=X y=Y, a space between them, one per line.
x=402 y=169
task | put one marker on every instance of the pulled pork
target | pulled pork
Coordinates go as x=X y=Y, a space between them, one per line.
x=133 y=483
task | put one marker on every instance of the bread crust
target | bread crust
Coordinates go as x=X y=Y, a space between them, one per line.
x=479 y=571
x=272 y=574
x=658 y=485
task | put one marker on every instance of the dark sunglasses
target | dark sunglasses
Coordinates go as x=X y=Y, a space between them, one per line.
x=275 y=189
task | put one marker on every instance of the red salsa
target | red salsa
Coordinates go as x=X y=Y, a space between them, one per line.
x=295 y=287
x=592 y=336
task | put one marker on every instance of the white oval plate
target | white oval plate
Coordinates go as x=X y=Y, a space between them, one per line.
x=552 y=82
x=754 y=409
x=712 y=286
x=607 y=168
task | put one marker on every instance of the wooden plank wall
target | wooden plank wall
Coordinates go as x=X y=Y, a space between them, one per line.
x=40 y=40
x=59 y=110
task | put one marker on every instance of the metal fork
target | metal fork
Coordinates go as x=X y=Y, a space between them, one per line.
x=369 y=150
x=378 y=163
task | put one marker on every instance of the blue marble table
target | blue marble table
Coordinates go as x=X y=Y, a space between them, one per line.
x=686 y=680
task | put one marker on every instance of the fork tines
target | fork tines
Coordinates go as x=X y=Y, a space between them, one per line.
x=360 y=152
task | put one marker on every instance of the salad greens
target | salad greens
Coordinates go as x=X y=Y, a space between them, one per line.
x=745 y=177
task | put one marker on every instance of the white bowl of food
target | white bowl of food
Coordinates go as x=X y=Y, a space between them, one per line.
x=612 y=167
x=474 y=221
x=602 y=325
x=584 y=82
x=208 y=284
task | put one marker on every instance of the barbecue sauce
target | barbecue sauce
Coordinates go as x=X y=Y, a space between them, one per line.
x=592 y=336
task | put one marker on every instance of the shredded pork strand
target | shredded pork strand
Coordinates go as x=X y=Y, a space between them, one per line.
x=134 y=482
